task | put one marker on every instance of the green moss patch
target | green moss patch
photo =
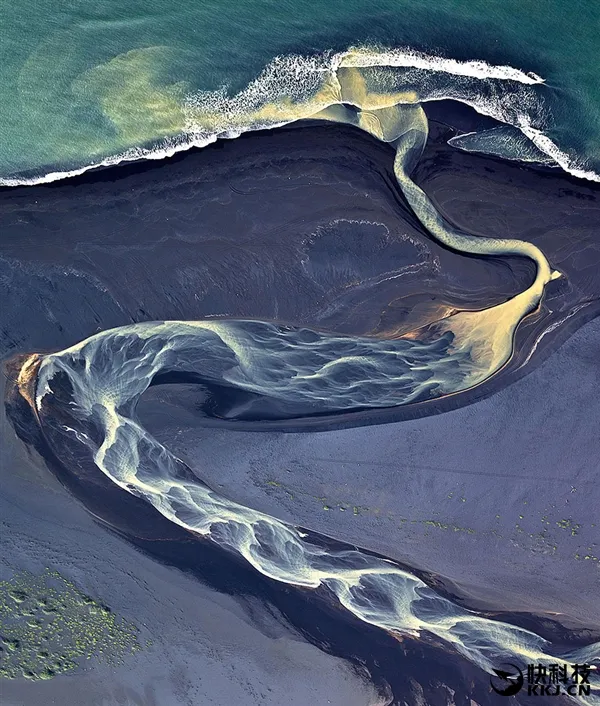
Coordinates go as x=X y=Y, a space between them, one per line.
x=48 y=627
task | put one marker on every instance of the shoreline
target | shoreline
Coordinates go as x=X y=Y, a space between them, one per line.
x=440 y=174
x=537 y=336
x=136 y=157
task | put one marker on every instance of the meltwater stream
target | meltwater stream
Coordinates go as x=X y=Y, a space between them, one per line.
x=89 y=393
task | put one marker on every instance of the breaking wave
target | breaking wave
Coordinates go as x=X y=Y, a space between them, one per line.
x=293 y=88
x=85 y=399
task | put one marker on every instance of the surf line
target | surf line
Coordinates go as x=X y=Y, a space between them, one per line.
x=85 y=399
x=488 y=334
x=278 y=96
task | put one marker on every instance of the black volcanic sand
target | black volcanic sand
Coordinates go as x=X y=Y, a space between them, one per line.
x=401 y=670
x=500 y=497
x=300 y=225
x=304 y=226
x=307 y=226
x=226 y=646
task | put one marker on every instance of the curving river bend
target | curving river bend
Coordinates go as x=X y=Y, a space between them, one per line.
x=90 y=392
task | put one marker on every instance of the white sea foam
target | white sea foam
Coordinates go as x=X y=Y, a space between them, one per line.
x=166 y=149
x=545 y=144
x=504 y=93
x=364 y=56
x=522 y=121
x=504 y=141
x=109 y=372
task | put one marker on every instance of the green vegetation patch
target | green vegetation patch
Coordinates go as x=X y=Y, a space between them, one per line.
x=48 y=626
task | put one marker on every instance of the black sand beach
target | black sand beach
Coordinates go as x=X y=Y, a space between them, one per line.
x=489 y=494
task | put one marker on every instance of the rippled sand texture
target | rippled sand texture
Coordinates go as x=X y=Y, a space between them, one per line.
x=85 y=399
x=486 y=335
x=305 y=371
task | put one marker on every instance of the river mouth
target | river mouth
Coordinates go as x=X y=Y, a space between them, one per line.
x=67 y=432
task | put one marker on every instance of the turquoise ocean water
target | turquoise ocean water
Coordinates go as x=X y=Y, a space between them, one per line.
x=84 y=83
